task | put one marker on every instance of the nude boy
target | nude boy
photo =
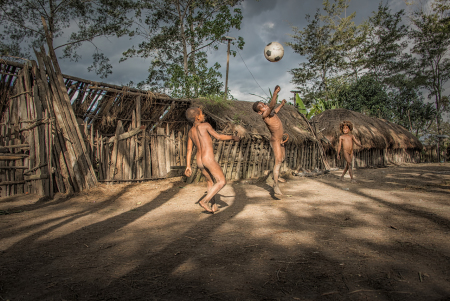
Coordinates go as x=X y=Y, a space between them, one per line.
x=346 y=142
x=273 y=122
x=200 y=135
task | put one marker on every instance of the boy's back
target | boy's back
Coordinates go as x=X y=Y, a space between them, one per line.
x=205 y=140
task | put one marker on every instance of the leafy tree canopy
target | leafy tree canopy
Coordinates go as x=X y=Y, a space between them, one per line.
x=324 y=41
x=430 y=34
x=367 y=96
x=70 y=24
x=177 y=33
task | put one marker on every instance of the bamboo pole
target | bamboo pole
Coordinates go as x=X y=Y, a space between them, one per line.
x=112 y=171
x=167 y=149
x=240 y=158
x=228 y=176
x=81 y=155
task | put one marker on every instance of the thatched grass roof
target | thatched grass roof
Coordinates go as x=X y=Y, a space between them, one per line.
x=239 y=115
x=371 y=132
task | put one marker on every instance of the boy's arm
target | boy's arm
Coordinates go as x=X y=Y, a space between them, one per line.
x=273 y=102
x=188 y=170
x=280 y=106
x=339 y=149
x=356 y=141
x=218 y=136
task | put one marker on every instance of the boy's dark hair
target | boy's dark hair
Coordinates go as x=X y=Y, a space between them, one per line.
x=346 y=123
x=255 y=106
x=191 y=113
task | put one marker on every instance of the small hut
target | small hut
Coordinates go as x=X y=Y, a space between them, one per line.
x=383 y=142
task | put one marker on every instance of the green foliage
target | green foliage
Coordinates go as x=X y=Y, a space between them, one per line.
x=215 y=103
x=367 y=96
x=177 y=35
x=22 y=26
x=431 y=36
x=237 y=118
x=409 y=109
x=300 y=105
x=317 y=107
x=324 y=41
x=386 y=44
x=204 y=82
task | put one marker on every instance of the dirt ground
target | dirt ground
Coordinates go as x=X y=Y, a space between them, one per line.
x=385 y=238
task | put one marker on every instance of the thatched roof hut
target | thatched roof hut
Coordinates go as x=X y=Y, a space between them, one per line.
x=239 y=115
x=371 y=132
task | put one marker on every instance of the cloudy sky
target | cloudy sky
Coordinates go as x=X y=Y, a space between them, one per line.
x=264 y=21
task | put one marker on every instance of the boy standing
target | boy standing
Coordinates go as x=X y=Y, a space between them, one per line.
x=346 y=141
x=199 y=135
x=273 y=122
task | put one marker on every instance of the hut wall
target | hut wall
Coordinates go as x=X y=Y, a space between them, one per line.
x=41 y=147
x=376 y=157
x=25 y=136
x=429 y=155
x=253 y=157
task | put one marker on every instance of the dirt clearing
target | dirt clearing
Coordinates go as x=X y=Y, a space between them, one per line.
x=385 y=238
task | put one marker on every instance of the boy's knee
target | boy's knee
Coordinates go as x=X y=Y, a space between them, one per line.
x=222 y=182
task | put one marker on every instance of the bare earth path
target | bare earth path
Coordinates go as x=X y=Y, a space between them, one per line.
x=385 y=238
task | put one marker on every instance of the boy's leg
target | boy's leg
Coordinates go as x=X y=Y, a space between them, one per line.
x=214 y=168
x=278 y=152
x=350 y=170
x=348 y=164
x=283 y=157
x=210 y=184
x=209 y=180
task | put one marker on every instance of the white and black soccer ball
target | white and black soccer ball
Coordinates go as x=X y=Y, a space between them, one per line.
x=274 y=52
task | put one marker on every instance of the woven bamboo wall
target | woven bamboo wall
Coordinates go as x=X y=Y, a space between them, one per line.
x=376 y=157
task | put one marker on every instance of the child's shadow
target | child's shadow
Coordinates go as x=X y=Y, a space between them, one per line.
x=220 y=204
x=269 y=189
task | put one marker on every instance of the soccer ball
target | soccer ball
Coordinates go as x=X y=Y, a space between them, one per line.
x=273 y=52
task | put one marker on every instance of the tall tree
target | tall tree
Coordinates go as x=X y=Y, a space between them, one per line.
x=430 y=34
x=177 y=33
x=325 y=42
x=23 y=23
x=385 y=45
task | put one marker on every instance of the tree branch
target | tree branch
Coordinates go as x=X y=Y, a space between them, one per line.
x=202 y=47
x=16 y=22
x=82 y=40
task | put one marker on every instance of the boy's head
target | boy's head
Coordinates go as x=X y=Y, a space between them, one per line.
x=259 y=107
x=195 y=114
x=346 y=127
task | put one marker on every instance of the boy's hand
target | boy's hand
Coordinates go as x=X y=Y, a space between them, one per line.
x=236 y=138
x=188 y=172
x=277 y=89
x=338 y=157
x=283 y=101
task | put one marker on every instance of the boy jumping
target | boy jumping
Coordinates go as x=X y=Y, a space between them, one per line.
x=273 y=122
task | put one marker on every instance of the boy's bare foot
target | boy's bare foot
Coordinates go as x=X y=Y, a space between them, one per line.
x=281 y=180
x=215 y=208
x=277 y=190
x=341 y=178
x=206 y=207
